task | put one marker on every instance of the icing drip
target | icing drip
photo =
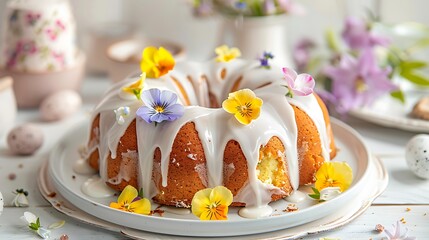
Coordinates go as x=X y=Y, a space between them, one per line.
x=95 y=187
x=296 y=197
x=175 y=210
x=81 y=166
x=193 y=82
x=125 y=168
x=255 y=212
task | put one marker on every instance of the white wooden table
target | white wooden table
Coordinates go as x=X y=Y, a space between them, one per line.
x=405 y=190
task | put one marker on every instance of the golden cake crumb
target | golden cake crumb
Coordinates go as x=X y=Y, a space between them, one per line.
x=291 y=207
x=379 y=228
x=408 y=209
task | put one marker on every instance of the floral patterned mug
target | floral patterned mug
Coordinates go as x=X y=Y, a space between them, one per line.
x=38 y=36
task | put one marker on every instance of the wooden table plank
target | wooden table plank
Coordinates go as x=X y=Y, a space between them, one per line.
x=417 y=221
x=404 y=187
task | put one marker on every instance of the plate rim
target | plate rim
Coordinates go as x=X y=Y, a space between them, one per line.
x=70 y=194
x=45 y=188
x=398 y=122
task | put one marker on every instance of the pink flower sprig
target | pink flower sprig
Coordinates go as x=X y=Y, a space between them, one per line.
x=397 y=234
x=300 y=85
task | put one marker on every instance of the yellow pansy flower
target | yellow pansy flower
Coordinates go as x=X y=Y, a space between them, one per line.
x=244 y=105
x=212 y=204
x=334 y=174
x=136 y=87
x=226 y=54
x=127 y=202
x=156 y=62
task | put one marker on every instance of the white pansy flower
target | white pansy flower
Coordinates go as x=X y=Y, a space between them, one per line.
x=20 y=200
x=329 y=193
x=121 y=113
x=33 y=222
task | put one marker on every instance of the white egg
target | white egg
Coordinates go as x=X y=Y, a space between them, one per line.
x=25 y=139
x=417 y=155
x=60 y=105
x=1 y=203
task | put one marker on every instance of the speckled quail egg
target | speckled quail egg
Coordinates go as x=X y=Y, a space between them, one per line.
x=417 y=155
x=25 y=139
x=60 y=105
x=1 y=203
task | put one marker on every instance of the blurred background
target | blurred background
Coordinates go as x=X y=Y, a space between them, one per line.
x=173 y=19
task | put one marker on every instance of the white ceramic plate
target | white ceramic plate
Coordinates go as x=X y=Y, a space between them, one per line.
x=352 y=151
x=378 y=178
x=389 y=112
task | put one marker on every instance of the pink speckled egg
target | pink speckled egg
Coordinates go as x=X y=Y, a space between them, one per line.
x=1 y=203
x=60 y=105
x=417 y=155
x=25 y=139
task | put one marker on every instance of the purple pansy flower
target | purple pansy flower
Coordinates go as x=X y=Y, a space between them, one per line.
x=240 y=5
x=265 y=58
x=159 y=106
x=300 y=85
x=358 y=82
x=396 y=233
x=357 y=35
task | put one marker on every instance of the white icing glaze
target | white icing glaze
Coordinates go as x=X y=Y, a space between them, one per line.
x=215 y=127
x=175 y=210
x=96 y=187
x=296 y=197
x=255 y=212
x=81 y=166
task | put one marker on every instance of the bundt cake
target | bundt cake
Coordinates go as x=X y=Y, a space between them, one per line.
x=260 y=162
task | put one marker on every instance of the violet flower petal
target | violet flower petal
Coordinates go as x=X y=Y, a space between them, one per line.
x=145 y=113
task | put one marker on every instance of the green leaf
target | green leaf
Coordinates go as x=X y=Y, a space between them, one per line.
x=410 y=65
x=415 y=78
x=332 y=40
x=316 y=194
x=33 y=226
x=398 y=95
x=140 y=193
x=418 y=45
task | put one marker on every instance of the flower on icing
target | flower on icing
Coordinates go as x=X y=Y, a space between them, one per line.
x=329 y=193
x=396 y=233
x=300 y=85
x=160 y=106
x=244 y=104
x=121 y=113
x=334 y=174
x=33 y=222
x=212 y=204
x=325 y=194
x=226 y=54
x=20 y=200
x=136 y=87
x=156 y=62
x=264 y=60
x=130 y=201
